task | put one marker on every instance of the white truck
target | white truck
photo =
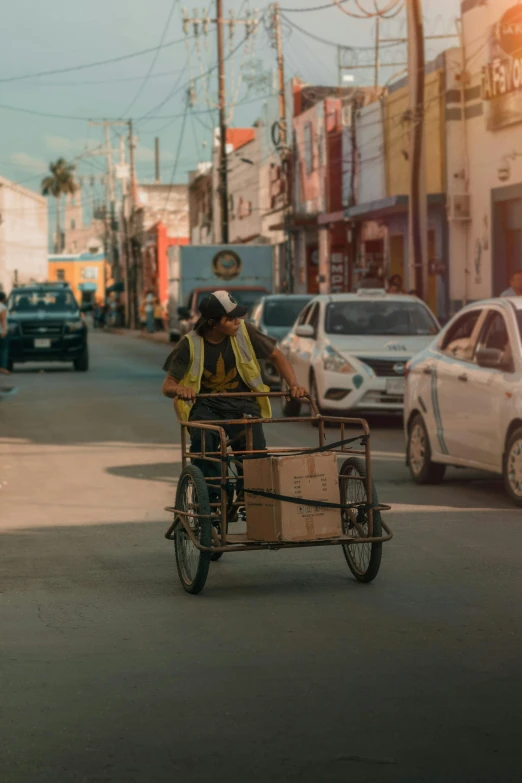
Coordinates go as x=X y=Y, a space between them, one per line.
x=197 y=270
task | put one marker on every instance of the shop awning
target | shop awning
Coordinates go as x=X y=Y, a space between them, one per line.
x=87 y=286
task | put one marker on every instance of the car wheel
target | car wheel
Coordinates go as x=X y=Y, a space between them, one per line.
x=291 y=407
x=513 y=466
x=422 y=469
x=81 y=364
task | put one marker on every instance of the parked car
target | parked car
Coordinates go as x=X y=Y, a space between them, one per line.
x=274 y=316
x=351 y=350
x=45 y=325
x=463 y=402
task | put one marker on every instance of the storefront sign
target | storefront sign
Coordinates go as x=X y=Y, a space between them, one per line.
x=508 y=31
x=338 y=273
x=502 y=76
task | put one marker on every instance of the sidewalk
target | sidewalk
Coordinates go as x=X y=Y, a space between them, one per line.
x=155 y=337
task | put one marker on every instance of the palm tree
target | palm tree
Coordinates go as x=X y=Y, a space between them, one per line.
x=60 y=181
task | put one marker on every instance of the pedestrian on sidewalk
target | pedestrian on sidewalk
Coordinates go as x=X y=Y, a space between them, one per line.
x=4 y=339
x=149 y=312
x=221 y=355
x=515 y=285
x=158 y=315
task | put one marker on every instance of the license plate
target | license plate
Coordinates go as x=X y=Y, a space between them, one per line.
x=396 y=387
x=42 y=342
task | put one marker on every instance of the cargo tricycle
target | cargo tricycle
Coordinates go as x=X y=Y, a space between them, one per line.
x=205 y=508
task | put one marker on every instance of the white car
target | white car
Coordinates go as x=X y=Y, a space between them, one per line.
x=463 y=403
x=351 y=350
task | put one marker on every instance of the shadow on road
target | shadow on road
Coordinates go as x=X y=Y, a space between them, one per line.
x=159 y=471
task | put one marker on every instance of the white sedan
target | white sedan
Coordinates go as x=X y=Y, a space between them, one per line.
x=463 y=402
x=351 y=350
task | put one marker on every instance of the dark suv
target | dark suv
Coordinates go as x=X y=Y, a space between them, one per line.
x=45 y=325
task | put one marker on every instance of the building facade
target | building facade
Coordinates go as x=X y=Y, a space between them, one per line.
x=88 y=274
x=23 y=235
x=485 y=153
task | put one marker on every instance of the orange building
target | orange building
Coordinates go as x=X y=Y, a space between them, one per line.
x=88 y=274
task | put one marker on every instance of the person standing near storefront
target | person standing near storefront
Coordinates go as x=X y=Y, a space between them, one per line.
x=149 y=312
x=4 y=340
x=515 y=285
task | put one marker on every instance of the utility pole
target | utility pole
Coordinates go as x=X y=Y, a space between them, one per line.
x=283 y=150
x=112 y=249
x=223 y=179
x=132 y=312
x=157 y=159
x=125 y=255
x=280 y=73
x=377 y=63
x=417 y=202
x=203 y=23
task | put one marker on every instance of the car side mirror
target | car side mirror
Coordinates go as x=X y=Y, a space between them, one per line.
x=184 y=312
x=305 y=330
x=493 y=358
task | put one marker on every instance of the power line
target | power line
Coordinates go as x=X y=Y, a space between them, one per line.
x=154 y=59
x=313 y=8
x=93 y=64
x=331 y=43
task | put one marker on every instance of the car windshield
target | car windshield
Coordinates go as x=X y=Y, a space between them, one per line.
x=283 y=312
x=379 y=318
x=247 y=298
x=31 y=301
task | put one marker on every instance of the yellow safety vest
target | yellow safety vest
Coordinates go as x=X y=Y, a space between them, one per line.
x=246 y=363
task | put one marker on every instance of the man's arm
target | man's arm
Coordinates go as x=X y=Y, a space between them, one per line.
x=3 y=323
x=286 y=371
x=171 y=388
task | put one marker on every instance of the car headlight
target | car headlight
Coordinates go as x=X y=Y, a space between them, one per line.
x=12 y=328
x=335 y=362
x=74 y=326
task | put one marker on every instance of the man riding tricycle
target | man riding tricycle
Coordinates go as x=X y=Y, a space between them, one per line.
x=214 y=378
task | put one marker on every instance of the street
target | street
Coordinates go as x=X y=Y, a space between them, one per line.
x=284 y=668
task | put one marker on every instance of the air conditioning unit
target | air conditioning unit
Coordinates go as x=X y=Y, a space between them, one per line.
x=459 y=206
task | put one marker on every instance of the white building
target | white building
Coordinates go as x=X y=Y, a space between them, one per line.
x=23 y=235
x=484 y=161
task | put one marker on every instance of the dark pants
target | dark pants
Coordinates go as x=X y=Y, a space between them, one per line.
x=236 y=433
x=4 y=352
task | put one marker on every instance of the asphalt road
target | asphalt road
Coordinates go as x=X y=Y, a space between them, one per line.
x=285 y=668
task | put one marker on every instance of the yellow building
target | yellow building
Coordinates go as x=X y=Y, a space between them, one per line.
x=88 y=274
x=397 y=129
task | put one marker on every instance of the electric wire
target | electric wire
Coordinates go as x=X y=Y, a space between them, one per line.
x=95 y=64
x=154 y=59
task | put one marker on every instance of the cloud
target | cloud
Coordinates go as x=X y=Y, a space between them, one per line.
x=29 y=163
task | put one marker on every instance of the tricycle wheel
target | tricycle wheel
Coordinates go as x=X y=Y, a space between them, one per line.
x=192 y=497
x=364 y=560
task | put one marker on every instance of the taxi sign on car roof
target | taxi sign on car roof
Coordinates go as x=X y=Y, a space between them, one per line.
x=371 y=292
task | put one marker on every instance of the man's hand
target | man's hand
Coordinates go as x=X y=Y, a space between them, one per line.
x=172 y=388
x=298 y=391
x=184 y=393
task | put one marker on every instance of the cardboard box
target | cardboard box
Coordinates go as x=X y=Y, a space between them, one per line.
x=314 y=477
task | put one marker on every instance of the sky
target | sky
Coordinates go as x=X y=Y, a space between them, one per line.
x=56 y=35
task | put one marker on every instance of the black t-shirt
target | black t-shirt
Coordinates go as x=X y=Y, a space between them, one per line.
x=220 y=373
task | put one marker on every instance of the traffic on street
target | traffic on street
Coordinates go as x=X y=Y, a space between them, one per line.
x=112 y=672
x=261 y=392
